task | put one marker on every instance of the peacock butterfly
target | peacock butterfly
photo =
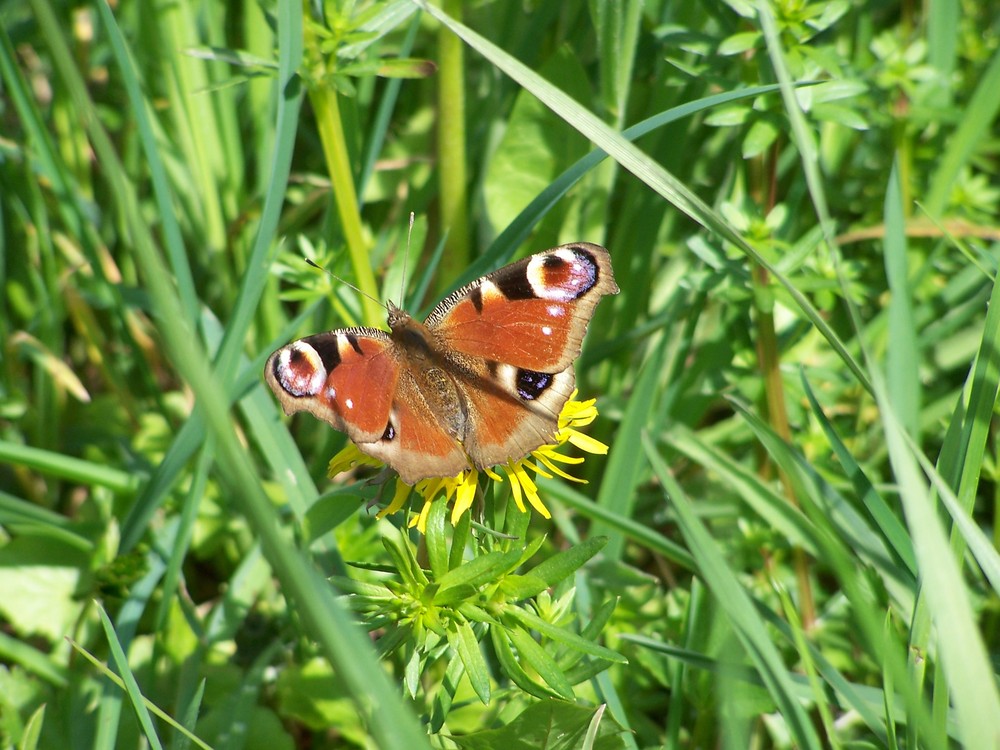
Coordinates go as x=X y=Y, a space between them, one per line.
x=481 y=381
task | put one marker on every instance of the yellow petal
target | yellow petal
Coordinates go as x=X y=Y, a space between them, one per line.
x=515 y=486
x=420 y=520
x=554 y=455
x=531 y=490
x=348 y=458
x=398 y=499
x=547 y=459
x=464 y=496
x=587 y=443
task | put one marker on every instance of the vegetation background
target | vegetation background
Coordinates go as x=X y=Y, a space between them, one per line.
x=797 y=381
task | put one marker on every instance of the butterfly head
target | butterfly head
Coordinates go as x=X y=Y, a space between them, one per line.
x=398 y=317
x=409 y=334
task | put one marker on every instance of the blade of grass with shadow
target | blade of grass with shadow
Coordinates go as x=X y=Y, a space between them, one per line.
x=120 y=636
x=978 y=122
x=185 y=731
x=830 y=514
x=131 y=685
x=768 y=504
x=969 y=534
x=834 y=537
x=890 y=527
x=623 y=525
x=625 y=458
x=840 y=552
x=902 y=361
x=966 y=449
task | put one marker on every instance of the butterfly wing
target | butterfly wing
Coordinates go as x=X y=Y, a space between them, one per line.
x=331 y=376
x=513 y=336
x=415 y=443
x=352 y=379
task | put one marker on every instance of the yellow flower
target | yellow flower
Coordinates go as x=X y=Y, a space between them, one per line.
x=462 y=487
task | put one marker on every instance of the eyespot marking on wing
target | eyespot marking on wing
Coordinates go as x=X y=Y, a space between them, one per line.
x=300 y=370
x=562 y=275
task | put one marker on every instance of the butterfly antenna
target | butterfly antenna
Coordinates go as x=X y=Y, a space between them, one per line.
x=406 y=257
x=345 y=282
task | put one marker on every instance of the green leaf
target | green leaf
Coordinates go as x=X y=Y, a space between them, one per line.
x=436 y=537
x=312 y=694
x=375 y=591
x=566 y=637
x=739 y=43
x=553 y=570
x=728 y=117
x=454 y=596
x=532 y=151
x=399 y=547
x=538 y=659
x=463 y=640
x=759 y=138
x=39 y=583
x=400 y=67
x=33 y=730
x=479 y=571
x=511 y=667
x=846 y=116
x=460 y=538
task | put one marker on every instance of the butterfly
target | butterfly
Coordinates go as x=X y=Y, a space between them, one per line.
x=480 y=382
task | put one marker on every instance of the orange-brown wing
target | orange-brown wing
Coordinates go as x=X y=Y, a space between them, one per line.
x=354 y=379
x=345 y=377
x=415 y=443
x=513 y=336
x=531 y=314
x=507 y=419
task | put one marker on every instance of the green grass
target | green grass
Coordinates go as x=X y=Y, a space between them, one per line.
x=793 y=539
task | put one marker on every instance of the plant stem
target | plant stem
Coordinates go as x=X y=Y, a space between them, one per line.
x=769 y=360
x=452 y=164
x=774 y=389
x=331 y=133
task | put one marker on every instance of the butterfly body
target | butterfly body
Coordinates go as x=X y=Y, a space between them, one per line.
x=479 y=382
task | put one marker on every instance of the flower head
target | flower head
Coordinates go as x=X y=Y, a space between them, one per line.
x=461 y=488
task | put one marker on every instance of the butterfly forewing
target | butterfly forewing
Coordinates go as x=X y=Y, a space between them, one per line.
x=531 y=314
x=332 y=375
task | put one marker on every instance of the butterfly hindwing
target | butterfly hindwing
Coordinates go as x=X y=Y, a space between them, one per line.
x=516 y=415
x=417 y=443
